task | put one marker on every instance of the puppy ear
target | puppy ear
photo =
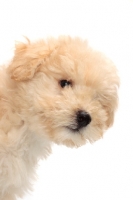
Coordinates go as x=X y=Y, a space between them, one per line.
x=110 y=105
x=27 y=60
x=110 y=114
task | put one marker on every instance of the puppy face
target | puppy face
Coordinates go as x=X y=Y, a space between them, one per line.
x=69 y=87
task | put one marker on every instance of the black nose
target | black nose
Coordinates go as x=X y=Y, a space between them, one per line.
x=83 y=119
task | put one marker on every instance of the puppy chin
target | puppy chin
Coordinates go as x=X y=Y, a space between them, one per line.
x=71 y=143
x=65 y=136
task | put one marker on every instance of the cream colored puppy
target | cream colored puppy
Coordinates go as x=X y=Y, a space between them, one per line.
x=59 y=91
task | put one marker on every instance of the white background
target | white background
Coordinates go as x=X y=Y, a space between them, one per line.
x=104 y=170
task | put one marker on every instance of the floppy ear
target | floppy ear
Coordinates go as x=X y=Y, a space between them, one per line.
x=111 y=113
x=110 y=104
x=27 y=60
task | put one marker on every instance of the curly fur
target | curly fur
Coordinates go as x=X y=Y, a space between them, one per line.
x=36 y=111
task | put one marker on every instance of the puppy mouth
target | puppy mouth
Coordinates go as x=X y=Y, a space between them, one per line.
x=75 y=128
x=72 y=129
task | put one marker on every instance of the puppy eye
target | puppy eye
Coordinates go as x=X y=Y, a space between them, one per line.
x=64 y=83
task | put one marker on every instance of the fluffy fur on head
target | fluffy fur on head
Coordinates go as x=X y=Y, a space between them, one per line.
x=58 y=90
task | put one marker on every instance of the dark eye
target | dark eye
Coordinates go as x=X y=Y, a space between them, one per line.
x=64 y=83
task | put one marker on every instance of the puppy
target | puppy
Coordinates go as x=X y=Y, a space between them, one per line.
x=58 y=90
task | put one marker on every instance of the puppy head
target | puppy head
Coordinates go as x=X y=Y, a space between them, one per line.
x=69 y=87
